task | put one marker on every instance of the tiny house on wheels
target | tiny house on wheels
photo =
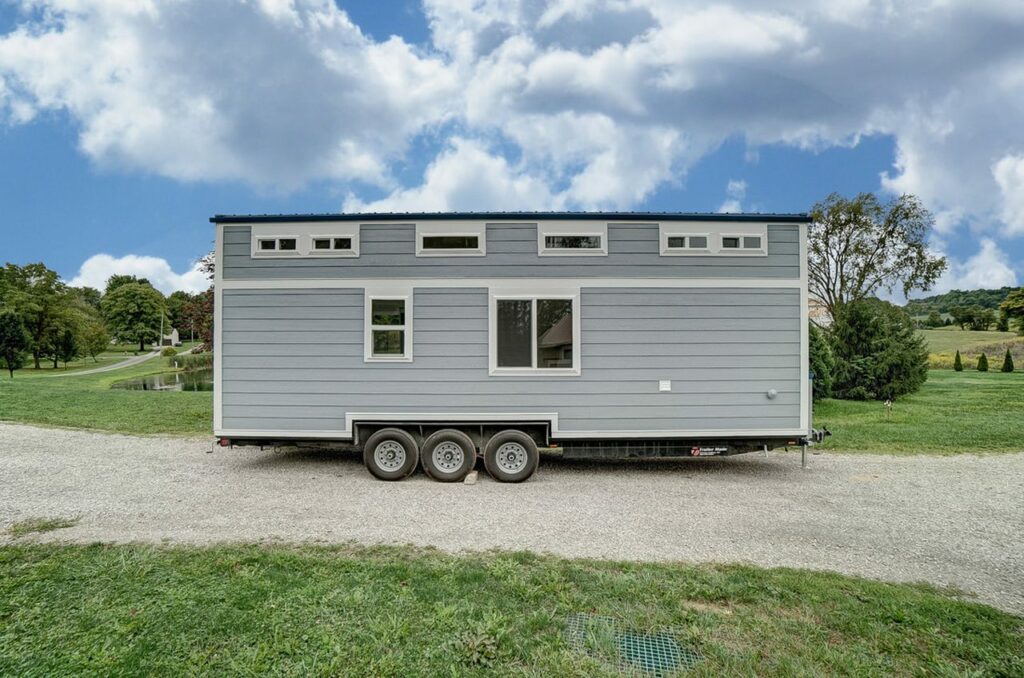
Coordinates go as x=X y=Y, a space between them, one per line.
x=429 y=339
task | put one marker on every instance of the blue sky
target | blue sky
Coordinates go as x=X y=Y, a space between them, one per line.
x=310 y=107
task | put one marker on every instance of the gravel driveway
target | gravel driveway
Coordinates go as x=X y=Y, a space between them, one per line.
x=946 y=520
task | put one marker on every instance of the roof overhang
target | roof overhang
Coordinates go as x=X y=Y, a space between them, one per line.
x=408 y=217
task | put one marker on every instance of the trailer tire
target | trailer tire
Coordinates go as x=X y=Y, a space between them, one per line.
x=390 y=454
x=448 y=455
x=511 y=456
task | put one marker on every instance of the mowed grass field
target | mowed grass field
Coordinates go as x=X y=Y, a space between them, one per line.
x=953 y=412
x=951 y=339
x=87 y=401
x=320 y=611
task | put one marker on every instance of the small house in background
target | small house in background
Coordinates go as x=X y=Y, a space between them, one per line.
x=171 y=339
x=818 y=313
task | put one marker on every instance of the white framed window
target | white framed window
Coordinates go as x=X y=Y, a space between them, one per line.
x=690 y=243
x=277 y=246
x=388 y=327
x=743 y=243
x=682 y=239
x=331 y=244
x=320 y=239
x=535 y=334
x=572 y=239
x=451 y=239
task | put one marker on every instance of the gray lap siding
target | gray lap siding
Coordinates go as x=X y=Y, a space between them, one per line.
x=292 y=360
x=387 y=251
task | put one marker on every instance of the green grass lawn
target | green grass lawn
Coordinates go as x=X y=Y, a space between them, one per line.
x=951 y=339
x=89 y=402
x=260 y=610
x=953 y=412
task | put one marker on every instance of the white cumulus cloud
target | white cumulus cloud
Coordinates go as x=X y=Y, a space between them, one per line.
x=98 y=268
x=574 y=103
x=989 y=268
x=466 y=176
x=735 y=191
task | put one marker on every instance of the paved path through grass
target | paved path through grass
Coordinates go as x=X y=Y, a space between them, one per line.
x=130 y=362
x=945 y=520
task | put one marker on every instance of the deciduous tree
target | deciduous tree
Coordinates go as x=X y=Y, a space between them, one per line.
x=1013 y=308
x=95 y=338
x=859 y=246
x=39 y=297
x=133 y=311
x=14 y=341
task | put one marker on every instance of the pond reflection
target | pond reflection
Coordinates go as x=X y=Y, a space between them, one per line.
x=194 y=380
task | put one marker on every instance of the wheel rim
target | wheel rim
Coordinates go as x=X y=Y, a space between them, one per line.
x=511 y=457
x=448 y=456
x=389 y=455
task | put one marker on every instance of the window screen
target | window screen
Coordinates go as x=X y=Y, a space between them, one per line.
x=752 y=242
x=286 y=243
x=730 y=243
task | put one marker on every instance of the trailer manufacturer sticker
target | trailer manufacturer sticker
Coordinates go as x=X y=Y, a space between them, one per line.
x=707 y=451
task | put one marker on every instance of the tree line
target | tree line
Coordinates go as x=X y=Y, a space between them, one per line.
x=944 y=303
x=42 y=318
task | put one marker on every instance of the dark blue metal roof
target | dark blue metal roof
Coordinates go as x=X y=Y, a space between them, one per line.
x=405 y=217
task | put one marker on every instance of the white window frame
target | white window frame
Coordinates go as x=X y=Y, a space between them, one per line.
x=547 y=229
x=304 y=234
x=668 y=250
x=496 y=295
x=715 y=232
x=332 y=252
x=277 y=251
x=370 y=295
x=477 y=229
x=741 y=250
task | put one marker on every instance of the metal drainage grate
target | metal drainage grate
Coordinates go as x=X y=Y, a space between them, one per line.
x=603 y=638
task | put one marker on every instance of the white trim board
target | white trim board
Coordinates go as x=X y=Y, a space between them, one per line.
x=805 y=353
x=550 y=418
x=521 y=284
x=218 y=329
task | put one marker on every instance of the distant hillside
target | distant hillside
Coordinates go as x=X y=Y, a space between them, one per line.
x=943 y=302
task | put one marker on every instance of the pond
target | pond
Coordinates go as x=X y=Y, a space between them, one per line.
x=194 y=380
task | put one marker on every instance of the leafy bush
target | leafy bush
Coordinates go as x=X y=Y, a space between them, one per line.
x=958 y=364
x=983 y=363
x=822 y=363
x=168 y=351
x=1007 y=362
x=878 y=354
